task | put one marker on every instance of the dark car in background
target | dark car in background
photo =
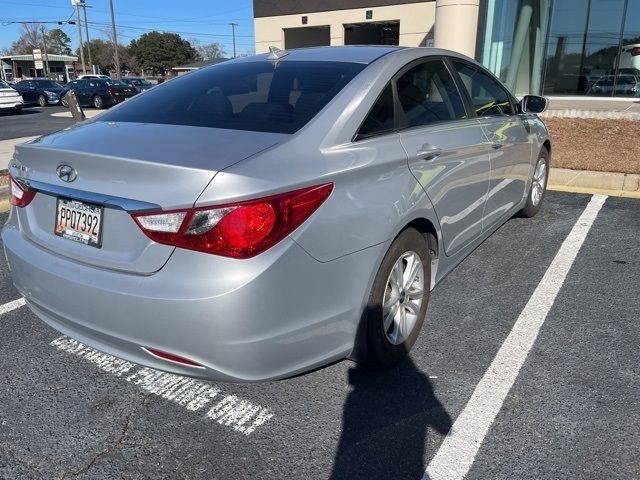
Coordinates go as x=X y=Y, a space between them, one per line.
x=39 y=91
x=98 y=92
x=138 y=83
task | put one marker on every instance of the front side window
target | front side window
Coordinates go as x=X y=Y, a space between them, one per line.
x=487 y=96
x=46 y=84
x=428 y=94
x=263 y=96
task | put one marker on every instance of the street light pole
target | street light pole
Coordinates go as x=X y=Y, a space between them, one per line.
x=233 y=31
x=86 y=29
x=115 y=41
x=76 y=4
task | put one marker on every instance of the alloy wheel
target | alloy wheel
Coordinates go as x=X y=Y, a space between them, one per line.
x=539 y=182
x=403 y=297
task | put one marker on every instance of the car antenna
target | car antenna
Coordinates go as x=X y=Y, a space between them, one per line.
x=276 y=53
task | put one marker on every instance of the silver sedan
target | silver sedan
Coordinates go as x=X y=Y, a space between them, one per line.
x=271 y=214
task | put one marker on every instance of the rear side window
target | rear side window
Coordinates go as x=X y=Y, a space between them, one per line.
x=487 y=96
x=380 y=118
x=428 y=94
x=279 y=97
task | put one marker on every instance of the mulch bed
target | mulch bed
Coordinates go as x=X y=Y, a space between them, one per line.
x=599 y=145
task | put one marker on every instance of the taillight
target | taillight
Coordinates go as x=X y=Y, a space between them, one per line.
x=20 y=197
x=110 y=91
x=635 y=51
x=239 y=230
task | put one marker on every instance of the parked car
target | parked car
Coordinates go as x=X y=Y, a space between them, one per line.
x=270 y=214
x=630 y=58
x=99 y=93
x=10 y=99
x=624 y=85
x=138 y=83
x=39 y=91
x=93 y=75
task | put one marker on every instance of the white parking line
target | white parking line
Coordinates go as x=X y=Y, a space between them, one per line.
x=228 y=410
x=7 y=307
x=455 y=456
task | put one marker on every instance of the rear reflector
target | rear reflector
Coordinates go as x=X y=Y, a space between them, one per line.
x=20 y=196
x=238 y=230
x=172 y=357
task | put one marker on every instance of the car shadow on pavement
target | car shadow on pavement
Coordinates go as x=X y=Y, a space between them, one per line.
x=386 y=418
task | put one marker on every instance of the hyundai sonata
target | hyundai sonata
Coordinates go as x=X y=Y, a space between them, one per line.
x=271 y=214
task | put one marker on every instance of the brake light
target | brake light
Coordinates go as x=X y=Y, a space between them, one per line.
x=20 y=196
x=110 y=91
x=239 y=230
x=635 y=51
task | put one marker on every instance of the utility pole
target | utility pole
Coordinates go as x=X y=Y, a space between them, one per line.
x=76 y=3
x=233 y=31
x=47 y=70
x=115 y=41
x=86 y=29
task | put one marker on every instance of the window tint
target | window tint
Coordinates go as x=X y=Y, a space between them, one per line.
x=3 y=85
x=487 y=96
x=46 y=84
x=263 y=96
x=428 y=94
x=380 y=118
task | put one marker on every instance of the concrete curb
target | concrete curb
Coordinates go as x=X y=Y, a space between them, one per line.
x=585 y=181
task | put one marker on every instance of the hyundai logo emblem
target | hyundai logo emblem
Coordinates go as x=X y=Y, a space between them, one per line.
x=66 y=173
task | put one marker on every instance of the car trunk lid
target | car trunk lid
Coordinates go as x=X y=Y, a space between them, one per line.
x=124 y=167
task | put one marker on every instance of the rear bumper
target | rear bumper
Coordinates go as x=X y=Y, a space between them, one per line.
x=12 y=104
x=269 y=317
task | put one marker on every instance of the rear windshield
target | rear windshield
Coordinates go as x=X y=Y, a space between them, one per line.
x=257 y=96
x=47 y=84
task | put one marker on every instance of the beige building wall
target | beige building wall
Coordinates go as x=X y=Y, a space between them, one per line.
x=416 y=24
x=457 y=25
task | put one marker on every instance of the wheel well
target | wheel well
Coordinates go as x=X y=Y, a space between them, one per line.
x=426 y=228
x=547 y=145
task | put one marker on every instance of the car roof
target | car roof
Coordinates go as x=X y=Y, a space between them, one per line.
x=351 y=53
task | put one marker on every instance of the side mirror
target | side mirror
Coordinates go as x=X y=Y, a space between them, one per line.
x=533 y=104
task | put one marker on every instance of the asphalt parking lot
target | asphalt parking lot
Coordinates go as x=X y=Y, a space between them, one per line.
x=557 y=294
x=33 y=121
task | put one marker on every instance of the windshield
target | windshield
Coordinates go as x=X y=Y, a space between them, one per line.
x=4 y=85
x=114 y=82
x=139 y=82
x=47 y=84
x=257 y=96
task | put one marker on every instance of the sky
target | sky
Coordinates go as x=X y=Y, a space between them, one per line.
x=206 y=20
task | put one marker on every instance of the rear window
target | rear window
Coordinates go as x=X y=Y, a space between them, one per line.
x=257 y=96
x=46 y=84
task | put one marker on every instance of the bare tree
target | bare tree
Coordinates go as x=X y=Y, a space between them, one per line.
x=30 y=38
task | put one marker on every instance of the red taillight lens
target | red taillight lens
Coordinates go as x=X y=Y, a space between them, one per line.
x=20 y=197
x=240 y=230
x=635 y=51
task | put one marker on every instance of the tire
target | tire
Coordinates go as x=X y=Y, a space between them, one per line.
x=17 y=110
x=42 y=101
x=538 y=189
x=98 y=102
x=383 y=347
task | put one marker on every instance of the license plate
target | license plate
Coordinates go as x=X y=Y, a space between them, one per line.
x=79 y=221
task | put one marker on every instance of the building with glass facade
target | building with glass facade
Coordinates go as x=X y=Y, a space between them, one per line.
x=550 y=47
x=562 y=47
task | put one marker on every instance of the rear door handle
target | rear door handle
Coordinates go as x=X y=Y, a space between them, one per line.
x=429 y=152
